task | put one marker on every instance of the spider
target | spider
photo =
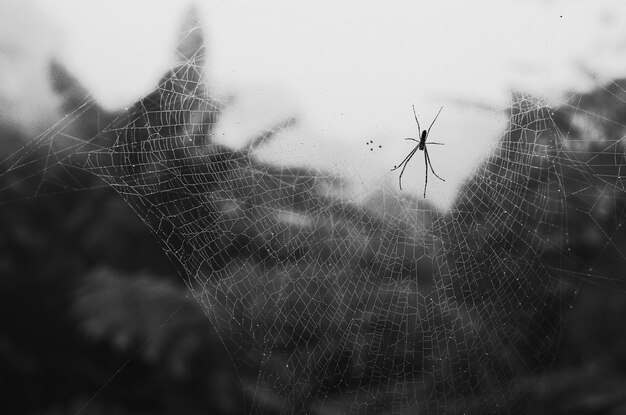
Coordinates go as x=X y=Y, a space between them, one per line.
x=421 y=145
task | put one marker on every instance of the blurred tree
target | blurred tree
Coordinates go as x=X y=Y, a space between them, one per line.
x=93 y=316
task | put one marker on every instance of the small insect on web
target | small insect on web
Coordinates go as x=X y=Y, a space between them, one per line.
x=421 y=145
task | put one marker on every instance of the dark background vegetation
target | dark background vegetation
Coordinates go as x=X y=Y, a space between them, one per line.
x=96 y=318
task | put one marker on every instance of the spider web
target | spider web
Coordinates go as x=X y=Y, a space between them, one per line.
x=329 y=305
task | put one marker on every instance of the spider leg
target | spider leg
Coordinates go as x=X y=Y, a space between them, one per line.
x=431 y=164
x=412 y=139
x=406 y=159
x=405 y=164
x=419 y=130
x=439 y=144
x=431 y=124
x=426 y=165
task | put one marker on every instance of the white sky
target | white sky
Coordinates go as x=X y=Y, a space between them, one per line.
x=351 y=70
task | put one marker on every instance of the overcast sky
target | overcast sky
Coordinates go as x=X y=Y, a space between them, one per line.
x=350 y=70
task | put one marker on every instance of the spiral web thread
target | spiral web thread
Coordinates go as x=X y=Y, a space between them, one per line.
x=388 y=306
x=328 y=305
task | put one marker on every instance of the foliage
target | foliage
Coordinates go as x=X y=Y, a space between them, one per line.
x=90 y=303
